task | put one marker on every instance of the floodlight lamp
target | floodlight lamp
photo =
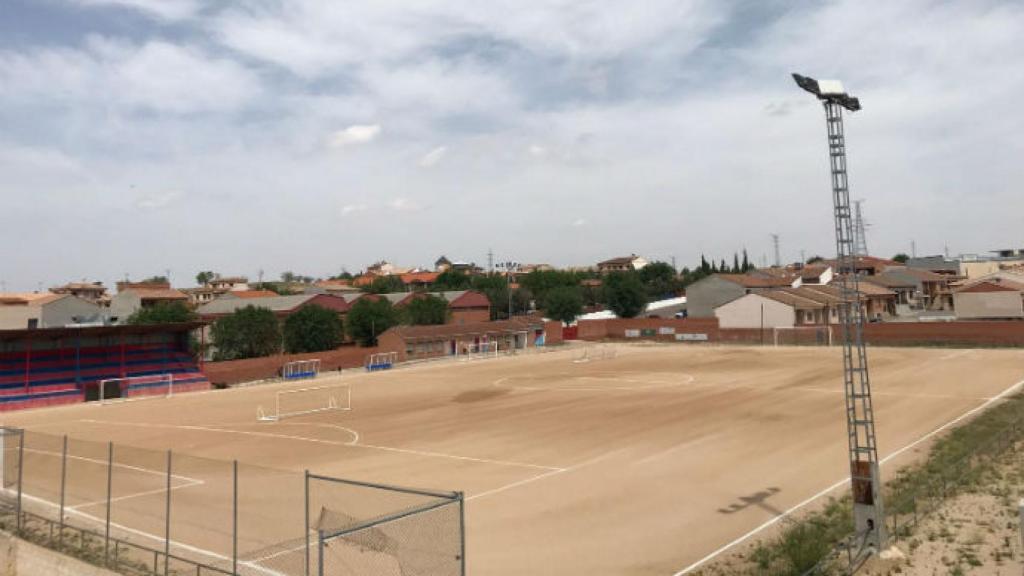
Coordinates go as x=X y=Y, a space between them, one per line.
x=829 y=91
x=809 y=84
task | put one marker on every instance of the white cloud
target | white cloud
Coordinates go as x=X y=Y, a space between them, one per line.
x=157 y=200
x=355 y=134
x=579 y=222
x=537 y=151
x=402 y=205
x=352 y=208
x=433 y=157
x=113 y=75
x=162 y=9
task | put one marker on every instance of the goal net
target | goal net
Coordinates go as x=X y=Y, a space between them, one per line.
x=149 y=386
x=300 y=369
x=592 y=353
x=288 y=403
x=381 y=361
x=802 y=336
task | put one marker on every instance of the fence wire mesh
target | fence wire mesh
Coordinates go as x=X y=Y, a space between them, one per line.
x=144 y=511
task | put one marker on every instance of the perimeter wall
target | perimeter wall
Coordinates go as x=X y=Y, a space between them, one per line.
x=998 y=333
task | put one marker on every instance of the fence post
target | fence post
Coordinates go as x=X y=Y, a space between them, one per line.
x=110 y=486
x=167 y=519
x=305 y=528
x=21 y=476
x=63 y=483
x=462 y=532
x=234 y=521
x=1020 y=509
x=319 y=553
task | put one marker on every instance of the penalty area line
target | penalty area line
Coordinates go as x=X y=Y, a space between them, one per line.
x=789 y=511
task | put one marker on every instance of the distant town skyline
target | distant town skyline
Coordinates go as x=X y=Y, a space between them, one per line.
x=141 y=136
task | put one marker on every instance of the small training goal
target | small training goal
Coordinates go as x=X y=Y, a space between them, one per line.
x=300 y=369
x=381 y=361
x=482 y=350
x=133 y=387
x=288 y=403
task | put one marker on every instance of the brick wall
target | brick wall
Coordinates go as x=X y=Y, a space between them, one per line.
x=236 y=371
x=616 y=328
x=470 y=316
x=980 y=333
x=553 y=333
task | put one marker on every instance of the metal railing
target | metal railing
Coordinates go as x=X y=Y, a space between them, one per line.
x=149 y=512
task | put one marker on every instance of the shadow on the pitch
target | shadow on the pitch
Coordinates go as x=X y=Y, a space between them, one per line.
x=759 y=499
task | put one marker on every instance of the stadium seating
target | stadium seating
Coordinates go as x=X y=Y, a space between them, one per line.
x=62 y=375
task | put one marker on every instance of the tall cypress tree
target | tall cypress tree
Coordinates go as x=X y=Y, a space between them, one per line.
x=735 y=263
x=746 y=261
x=704 y=266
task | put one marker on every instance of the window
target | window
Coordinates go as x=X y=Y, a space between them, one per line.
x=33 y=323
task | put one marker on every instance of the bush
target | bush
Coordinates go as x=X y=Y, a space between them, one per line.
x=625 y=294
x=564 y=303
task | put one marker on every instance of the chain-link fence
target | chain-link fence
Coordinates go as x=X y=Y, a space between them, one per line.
x=145 y=511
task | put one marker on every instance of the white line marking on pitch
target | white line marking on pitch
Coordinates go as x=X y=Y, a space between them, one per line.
x=846 y=481
x=330 y=442
x=153 y=537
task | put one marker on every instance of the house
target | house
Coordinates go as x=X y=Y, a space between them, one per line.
x=879 y=303
x=420 y=342
x=442 y=264
x=131 y=297
x=707 y=294
x=94 y=292
x=337 y=286
x=385 y=268
x=938 y=264
x=994 y=296
x=866 y=265
x=780 y=308
x=989 y=300
x=19 y=310
x=250 y=294
x=622 y=264
x=820 y=274
x=215 y=288
x=419 y=280
x=281 y=306
x=915 y=288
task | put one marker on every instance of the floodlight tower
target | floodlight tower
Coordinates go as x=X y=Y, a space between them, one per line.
x=860 y=239
x=868 y=514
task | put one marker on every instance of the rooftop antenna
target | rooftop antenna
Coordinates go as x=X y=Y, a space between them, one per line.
x=868 y=514
x=490 y=260
x=778 y=257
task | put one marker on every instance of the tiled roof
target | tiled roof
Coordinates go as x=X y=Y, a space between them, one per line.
x=157 y=293
x=29 y=298
x=992 y=286
x=750 y=281
x=276 y=304
x=791 y=299
x=422 y=277
x=253 y=293
x=472 y=329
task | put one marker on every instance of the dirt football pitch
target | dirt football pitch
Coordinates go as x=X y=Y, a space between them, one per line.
x=644 y=463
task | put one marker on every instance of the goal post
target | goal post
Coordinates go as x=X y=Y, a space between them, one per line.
x=598 y=352
x=301 y=369
x=148 y=386
x=381 y=361
x=288 y=403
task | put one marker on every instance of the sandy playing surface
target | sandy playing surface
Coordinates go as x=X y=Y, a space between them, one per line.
x=640 y=464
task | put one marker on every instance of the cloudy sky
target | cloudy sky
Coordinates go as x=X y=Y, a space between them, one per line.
x=138 y=136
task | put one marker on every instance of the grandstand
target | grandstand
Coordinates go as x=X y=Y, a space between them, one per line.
x=45 y=367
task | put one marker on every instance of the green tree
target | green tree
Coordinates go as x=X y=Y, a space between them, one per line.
x=495 y=287
x=659 y=279
x=746 y=262
x=385 y=285
x=815 y=259
x=522 y=300
x=624 y=293
x=704 y=266
x=901 y=258
x=369 y=318
x=343 y=275
x=564 y=303
x=288 y=277
x=205 y=276
x=451 y=280
x=540 y=282
x=248 y=332
x=313 y=328
x=162 y=313
x=156 y=280
x=735 y=263
x=427 y=309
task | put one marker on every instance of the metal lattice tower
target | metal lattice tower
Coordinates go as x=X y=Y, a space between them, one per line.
x=860 y=240
x=778 y=255
x=868 y=513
